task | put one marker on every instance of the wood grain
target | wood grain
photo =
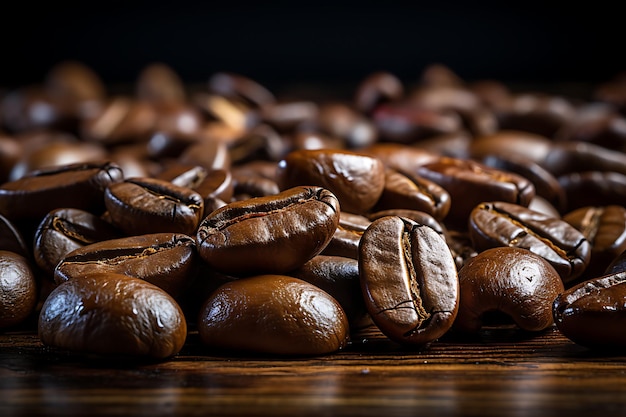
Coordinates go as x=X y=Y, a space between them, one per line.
x=499 y=373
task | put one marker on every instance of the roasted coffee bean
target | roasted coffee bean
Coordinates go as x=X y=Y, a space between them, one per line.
x=593 y=188
x=378 y=87
x=408 y=279
x=11 y=151
x=64 y=230
x=210 y=154
x=505 y=285
x=411 y=192
x=64 y=152
x=512 y=142
x=108 y=314
x=403 y=123
x=342 y=121
x=475 y=117
x=273 y=234
x=288 y=115
x=605 y=229
x=546 y=185
x=470 y=183
x=357 y=180
x=315 y=140
x=167 y=260
x=596 y=123
x=237 y=86
x=73 y=86
x=494 y=224
x=401 y=157
x=454 y=145
x=575 y=157
x=120 y=120
x=247 y=185
x=339 y=277
x=259 y=143
x=79 y=186
x=148 y=205
x=249 y=315
x=18 y=289
x=158 y=82
x=539 y=113
x=346 y=239
x=417 y=216
x=11 y=238
x=593 y=313
x=211 y=185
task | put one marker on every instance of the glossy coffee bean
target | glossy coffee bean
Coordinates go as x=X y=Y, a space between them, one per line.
x=605 y=229
x=512 y=142
x=79 y=186
x=346 y=239
x=249 y=315
x=18 y=289
x=408 y=279
x=401 y=157
x=139 y=206
x=357 y=180
x=470 y=183
x=342 y=121
x=108 y=314
x=238 y=86
x=119 y=120
x=377 y=88
x=593 y=188
x=64 y=230
x=593 y=313
x=339 y=277
x=158 y=82
x=511 y=284
x=11 y=238
x=576 y=157
x=404 y=123
x=546 y=185
x=494 y=224
x=273 y=234
x=412 y=192
x=167 y=260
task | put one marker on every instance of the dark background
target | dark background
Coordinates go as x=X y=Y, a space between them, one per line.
x=283 y=42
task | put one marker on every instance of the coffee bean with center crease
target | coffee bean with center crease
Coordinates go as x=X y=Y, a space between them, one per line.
x=593 y=313
x=167 y=260
x=408 y=279
x=79 y=186
x=605 y=229
x=494 y=224
x=470 y=183
x=272 y=234
x=64 y=230
x=357 y=180
x=148 y=205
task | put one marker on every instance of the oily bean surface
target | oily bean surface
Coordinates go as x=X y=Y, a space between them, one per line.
x=111 y=314
x=408 y=279
x=508 y=281
x=249 y=314
x=494 y=224
x=167 y=260
x=593 y=313
x=272 y=234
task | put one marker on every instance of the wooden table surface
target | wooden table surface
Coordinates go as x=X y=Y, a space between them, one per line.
x=500 y=373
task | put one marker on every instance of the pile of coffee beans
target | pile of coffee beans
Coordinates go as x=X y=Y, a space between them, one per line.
x=283 y=225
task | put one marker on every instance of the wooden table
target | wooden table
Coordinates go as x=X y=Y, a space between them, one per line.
x=499 y=373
